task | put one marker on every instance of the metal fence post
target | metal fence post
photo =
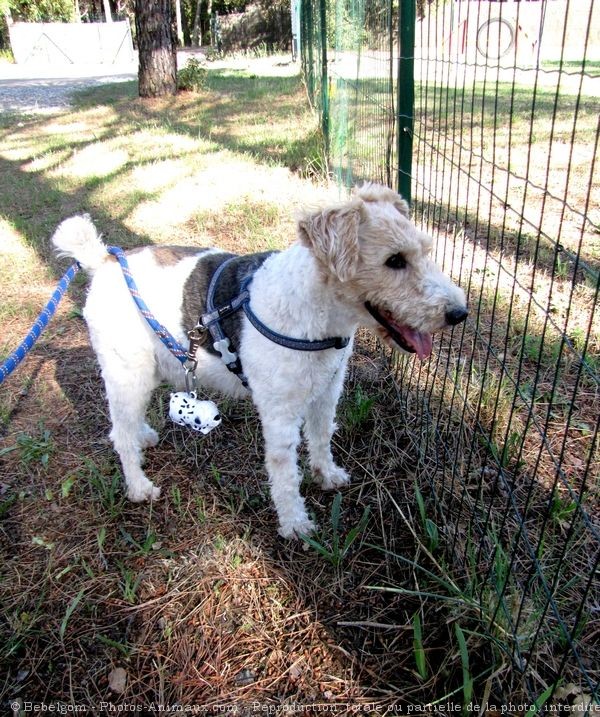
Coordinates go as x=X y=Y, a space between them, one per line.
x=324 y=80
x=406 y=94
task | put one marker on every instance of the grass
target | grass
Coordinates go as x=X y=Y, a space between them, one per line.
x=195 y=597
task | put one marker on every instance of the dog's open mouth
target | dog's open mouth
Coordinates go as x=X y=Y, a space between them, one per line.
x=407 y=338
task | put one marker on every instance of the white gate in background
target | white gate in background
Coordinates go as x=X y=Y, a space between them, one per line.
x=92 y=43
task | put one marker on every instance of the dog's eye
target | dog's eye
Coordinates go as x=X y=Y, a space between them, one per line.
x=396 y=261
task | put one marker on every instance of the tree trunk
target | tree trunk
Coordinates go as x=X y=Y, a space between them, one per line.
x=107 y=12
x=157 y=73
x=178 y=18
x=197 y=33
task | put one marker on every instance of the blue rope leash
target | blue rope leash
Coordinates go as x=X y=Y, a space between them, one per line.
x=163 y=334
x=11 y=363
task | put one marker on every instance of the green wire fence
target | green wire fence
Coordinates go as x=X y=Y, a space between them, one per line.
x=486 y=116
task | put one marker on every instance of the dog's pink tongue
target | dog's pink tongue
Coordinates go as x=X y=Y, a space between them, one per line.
x=422 y=343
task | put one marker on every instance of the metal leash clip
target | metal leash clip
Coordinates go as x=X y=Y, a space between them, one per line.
x=197 y=336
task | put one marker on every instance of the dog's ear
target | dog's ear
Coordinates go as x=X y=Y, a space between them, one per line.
x=370 y=192
x=332 y=236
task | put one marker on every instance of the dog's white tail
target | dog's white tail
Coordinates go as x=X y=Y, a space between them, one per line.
x=77 y=237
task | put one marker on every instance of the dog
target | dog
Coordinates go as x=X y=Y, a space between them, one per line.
x=359 y=263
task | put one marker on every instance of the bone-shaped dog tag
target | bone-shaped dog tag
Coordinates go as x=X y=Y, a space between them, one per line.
x=222 y=347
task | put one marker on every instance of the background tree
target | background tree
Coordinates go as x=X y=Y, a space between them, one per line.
x=157 y=47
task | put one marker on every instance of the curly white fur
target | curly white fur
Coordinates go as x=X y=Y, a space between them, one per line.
x=319 y=287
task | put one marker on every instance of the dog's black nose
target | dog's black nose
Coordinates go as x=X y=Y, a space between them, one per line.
x=455 y=316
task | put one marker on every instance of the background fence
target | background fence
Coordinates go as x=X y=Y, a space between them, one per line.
x=487 y=114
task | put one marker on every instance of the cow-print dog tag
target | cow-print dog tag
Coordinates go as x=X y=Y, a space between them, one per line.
x=186 y=410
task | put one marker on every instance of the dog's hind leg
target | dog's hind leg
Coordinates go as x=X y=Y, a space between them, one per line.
x=319 y=427
x=128 y=397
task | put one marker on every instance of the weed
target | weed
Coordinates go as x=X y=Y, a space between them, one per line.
x=67 y=485
x=69 y=611
x=146 y=547
x=192 y=77
x=216 y=474
x=430 y=528
x=467 y=679
x=506 y=455
x=200 y=509
x=357 y=409
x=130 y=583
x=106 y=490
x=124 y=649
x=418 y=649
x=337 y=549
x=176 y=499
x=6 y=504
x=562 y=510
x=36 y=449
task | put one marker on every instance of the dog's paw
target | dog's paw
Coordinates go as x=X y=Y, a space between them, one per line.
x=295 y=529
x=143 y=491
x=149 y=437
x=334 y=477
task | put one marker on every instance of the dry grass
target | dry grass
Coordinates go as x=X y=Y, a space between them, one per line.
x=195 y=597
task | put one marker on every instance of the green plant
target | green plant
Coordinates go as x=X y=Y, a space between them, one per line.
x=69 y=611
x=129 y=584
x=430 y=529
x=36 y=449
x=176 y=498
x=418 y=649
x=358 y=408
x=146 y=547
x=6 y=504
x=192 y=77
x=105 y=489
x=337 y=550
x=561 y=510
x=467 y=685
x=511 y=448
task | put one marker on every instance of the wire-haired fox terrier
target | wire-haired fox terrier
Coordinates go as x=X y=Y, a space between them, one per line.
x=360 y=263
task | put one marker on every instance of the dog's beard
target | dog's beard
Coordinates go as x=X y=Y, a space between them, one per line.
x=401 y=335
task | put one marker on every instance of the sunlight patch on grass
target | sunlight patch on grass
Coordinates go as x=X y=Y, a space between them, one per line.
x=96 y=160
x=18 y=262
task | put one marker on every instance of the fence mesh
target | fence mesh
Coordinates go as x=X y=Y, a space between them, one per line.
x=505 y=130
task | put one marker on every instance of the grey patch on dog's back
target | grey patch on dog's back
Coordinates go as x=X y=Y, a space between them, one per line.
x=169 y=255
x=230 y=281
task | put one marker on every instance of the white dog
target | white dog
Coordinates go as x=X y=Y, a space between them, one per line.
x=362 y=263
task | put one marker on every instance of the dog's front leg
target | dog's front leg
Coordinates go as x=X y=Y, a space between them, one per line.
x=281 y=431
x=318 y=429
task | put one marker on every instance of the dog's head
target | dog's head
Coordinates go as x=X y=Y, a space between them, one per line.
x=380 y=264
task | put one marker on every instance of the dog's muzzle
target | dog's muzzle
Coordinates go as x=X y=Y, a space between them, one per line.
x=408 y=338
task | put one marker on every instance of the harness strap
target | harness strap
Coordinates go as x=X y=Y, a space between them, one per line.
x=333 y=342
x=211 y=320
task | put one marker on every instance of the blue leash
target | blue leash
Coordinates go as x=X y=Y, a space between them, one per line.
x=163 y=334
x=11 y=363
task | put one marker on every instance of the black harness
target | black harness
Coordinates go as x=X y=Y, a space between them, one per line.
x=210 y=322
